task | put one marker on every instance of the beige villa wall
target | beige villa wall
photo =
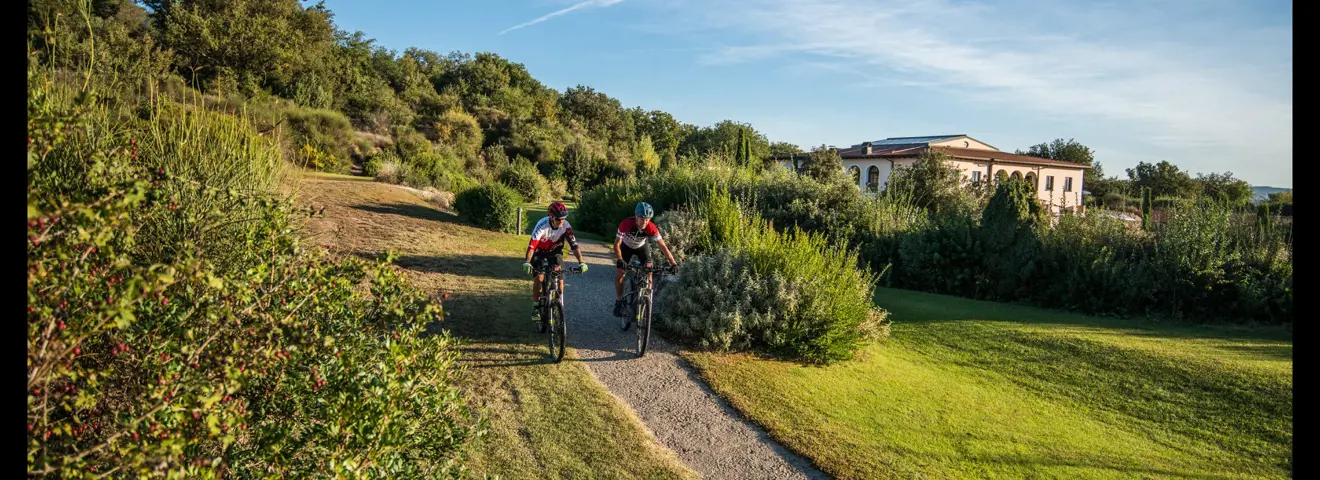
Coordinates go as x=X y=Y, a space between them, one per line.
x=1055 y=198
x=958 y=143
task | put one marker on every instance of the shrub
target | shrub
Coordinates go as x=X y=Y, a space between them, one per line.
x=523 y=178
x=943 y=257
x=490 y=205
x=1010 y=225
x=325 y=130
x=386 y=167
x=142 y=363
x=684 y=232
x=200 y=148
x=788 y=294
x=558 y=188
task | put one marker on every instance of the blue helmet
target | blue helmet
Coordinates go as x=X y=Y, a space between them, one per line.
x=644 y=210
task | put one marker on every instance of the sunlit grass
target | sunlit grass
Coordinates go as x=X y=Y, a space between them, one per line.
x=970 y=389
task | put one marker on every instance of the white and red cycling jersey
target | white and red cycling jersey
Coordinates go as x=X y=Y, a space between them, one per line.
x=548 y=239
x=635 y=236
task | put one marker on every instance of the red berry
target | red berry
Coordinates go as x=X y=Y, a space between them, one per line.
x=77 y=351
x=135 y=436
x=194 y=415
x=29 y=428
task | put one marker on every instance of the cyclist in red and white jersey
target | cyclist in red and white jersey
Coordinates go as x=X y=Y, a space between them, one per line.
x=547 y=245
x=630 y=241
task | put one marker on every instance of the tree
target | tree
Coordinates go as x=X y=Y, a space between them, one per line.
x=823 y=164
x=1073 y=152
x=726 y=139
x=1224 y=187
x=265 y=44
x=784 y=148
x=1010 y=234
x=1063 y=151
x=936 y=184
x=648 y=162
x=459 y=130
x=601 y=116
x=1164 y=179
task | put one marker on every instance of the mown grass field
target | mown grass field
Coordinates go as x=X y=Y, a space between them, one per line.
x=971 y=389
x=546 y=420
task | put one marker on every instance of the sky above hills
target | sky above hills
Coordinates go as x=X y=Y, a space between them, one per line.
x=1204 y=84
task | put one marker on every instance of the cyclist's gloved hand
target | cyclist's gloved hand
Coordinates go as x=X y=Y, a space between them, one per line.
x=582 y=268
x=673 y=268
x=620 y=265
x=527 y=268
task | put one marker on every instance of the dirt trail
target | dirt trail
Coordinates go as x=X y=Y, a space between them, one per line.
x=664 y=391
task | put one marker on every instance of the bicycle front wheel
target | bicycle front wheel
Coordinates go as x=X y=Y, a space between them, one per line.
x=643 y=324
x=558 y=332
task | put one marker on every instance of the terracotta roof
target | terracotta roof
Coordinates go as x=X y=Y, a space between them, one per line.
x=972 y=153
x=911 y=151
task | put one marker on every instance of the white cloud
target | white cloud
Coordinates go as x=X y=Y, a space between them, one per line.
x=576 y=6
x=1181 y=73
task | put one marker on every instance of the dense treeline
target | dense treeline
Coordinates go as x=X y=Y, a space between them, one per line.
x=445 y=120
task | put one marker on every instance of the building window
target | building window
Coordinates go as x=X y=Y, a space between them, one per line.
x=976 y=177
x=1049 y=182
x=1031 y=179
x=873 y=179
x=1067 y=184
x=1000 y=176
x=856 y=174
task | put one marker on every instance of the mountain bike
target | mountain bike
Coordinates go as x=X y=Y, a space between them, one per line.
x=551 y=308
x=638 y=302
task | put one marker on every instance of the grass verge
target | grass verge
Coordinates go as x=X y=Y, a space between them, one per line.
x=971 y=389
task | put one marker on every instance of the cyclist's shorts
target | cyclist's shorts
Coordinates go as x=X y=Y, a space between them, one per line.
x=555 y=257
x=643 y=254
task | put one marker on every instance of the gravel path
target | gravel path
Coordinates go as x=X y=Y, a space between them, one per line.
x=678 y=408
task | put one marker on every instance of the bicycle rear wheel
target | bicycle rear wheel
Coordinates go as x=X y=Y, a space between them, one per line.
x=558 y=332
x=643 y=325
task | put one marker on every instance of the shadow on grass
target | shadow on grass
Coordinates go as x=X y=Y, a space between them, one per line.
x=420 y=212
x=1035 y=463
x=487 y=356
x=482 y=266
x=908 y=306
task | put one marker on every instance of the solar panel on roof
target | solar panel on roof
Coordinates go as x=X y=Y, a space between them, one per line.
x=913 y=140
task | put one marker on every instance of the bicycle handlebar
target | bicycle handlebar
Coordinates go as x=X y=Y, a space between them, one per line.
x=550 y=269
x=640 y=268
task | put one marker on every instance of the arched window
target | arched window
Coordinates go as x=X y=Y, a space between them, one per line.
x=1000 y=176
x=873 y=179
x=1016 y=175
x=1031 y=178
x=856 y=174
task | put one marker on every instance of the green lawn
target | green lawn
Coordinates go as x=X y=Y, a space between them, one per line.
x=970 y=389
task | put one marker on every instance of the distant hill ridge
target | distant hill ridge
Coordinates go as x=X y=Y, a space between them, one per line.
x=1263 y=193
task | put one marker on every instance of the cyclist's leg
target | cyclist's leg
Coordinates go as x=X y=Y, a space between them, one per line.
x=537 y=260
x=557 y=261
x=644 y=256
x=618 y=278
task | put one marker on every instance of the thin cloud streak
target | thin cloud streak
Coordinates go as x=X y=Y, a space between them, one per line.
x=576 y=6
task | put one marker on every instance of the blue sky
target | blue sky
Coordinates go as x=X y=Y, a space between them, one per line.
x=1205 y=84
